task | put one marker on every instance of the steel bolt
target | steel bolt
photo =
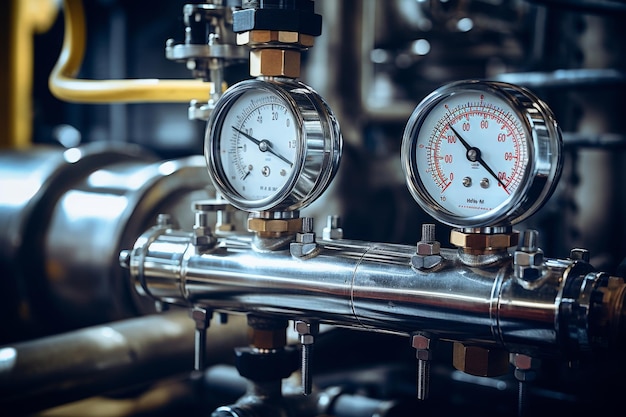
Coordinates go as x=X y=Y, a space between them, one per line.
x=423 y=352
x=307 y=332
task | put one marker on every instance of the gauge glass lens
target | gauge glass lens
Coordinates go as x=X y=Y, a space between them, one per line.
x=258 y=145
x=472 y=153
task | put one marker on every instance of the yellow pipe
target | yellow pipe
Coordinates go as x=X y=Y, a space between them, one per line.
x=19 y=21
x=65 y=86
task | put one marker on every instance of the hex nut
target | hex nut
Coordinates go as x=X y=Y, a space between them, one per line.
x=273 y=62
x=480 y=360
x=268 y=339
x=224 y=227
x=211 y=205
x=305 y=237
x=307 y=339
x=332 y=233
x=428 y=248
x=579 y=254
x=425 y=262
x=522 y=258
x=424 y=354
x=204 y=240
x=302 y=19
x=528 y=273
x=256 y=37
x=483 y=240
x=274 y=225
x=303 y=250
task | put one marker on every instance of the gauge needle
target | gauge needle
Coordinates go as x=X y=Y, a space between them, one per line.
x=474 y=155
x=264 y=145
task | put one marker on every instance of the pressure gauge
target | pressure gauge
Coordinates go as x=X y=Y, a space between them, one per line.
x=272 y=145
x=480 y=154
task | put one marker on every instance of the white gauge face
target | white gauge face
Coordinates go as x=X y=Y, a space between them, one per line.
x=472 y=153
x=258 y=146
x=481 y=154
x=272 y=145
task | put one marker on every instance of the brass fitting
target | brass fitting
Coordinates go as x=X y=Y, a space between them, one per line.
x=275 y=53
x=479 y=360
x=274 y=227
x=272 y=62
x=480 y=243
x=263 y=37
x=268 y=338
x=267 y=333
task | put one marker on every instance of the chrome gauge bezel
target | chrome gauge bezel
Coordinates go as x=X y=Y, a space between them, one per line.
x=318 y=145
x=544 y=148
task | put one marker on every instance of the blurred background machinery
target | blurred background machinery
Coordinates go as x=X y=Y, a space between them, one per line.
x=82 y=177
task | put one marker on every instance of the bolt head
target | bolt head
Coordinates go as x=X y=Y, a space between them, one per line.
x=524 y=362
x=303 y=327
x=419 y=341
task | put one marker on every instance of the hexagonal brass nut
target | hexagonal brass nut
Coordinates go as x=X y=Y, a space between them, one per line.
x=259 y=37
x=483 y=240
x=276 y=226
x=479 y=360
x=224 y=227
x=273 y=62
x=268 y=339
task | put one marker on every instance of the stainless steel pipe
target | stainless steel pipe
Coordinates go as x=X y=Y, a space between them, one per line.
x=54 y=370
x=374 y=287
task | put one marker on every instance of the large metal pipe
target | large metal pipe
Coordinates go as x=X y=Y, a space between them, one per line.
x=65 y=214
x=374 y=287
x=54 y=370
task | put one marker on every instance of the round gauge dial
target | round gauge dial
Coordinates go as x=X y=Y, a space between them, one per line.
x=272 y=145
x=481 y=154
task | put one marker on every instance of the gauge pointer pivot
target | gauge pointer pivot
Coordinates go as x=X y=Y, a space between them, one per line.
x=264 y=145
x=474 y=155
